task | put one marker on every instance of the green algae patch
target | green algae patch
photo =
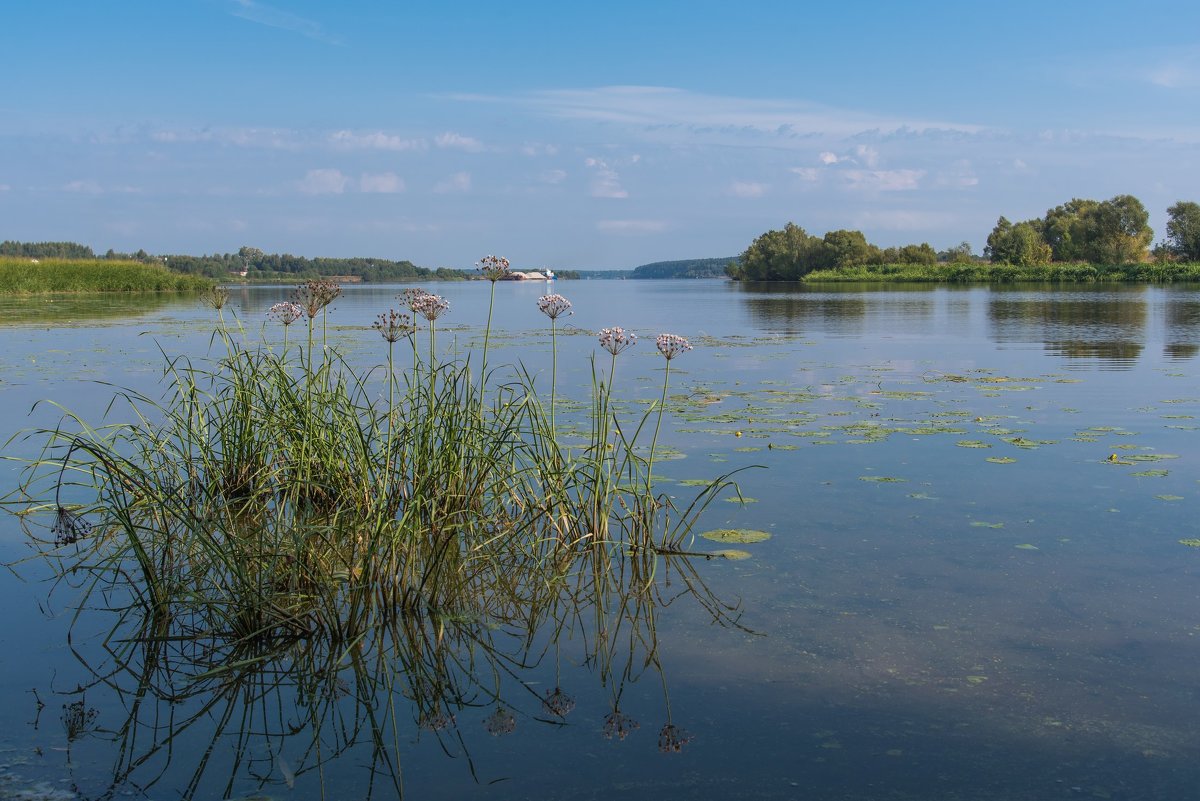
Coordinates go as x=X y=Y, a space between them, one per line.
x=971 y=443
x=1025 y=546
x=1151 y=473
x=1191 y=543
x=741 y=536
x=1169 y=497
x=1001 y=459
x=882 y=479
x=982 y=524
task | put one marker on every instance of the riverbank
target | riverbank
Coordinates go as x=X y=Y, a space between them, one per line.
x=1073 y=272
x=20 y=276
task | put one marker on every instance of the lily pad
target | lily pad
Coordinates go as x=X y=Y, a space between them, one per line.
x=982 y=524
x=738 y=535
x=1191 y=543
x=1025 y=546
x=1000 y=459
x=1152 y=473
x=1169 y=497
x=971 y=443
x=882 y=479
x=732 y=554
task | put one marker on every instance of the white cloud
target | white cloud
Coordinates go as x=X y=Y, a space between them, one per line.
x=828 y=157
x=866 y=155
x=323 y=182
x=456 y=183
x=349 y=140
x=269 y=138
x=283 y=20
x=631 y=226
x=381 y=182
x=537 y=149
x=884 y=180
x=605 y=181
x=747 y=189
x=5 y=187
x=810 y=174
x=83 y=187
x=553 y=176
x=458 y=142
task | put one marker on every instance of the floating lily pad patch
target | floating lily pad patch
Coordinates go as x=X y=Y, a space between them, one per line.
x=882 y=479
x=982 y=524
x=1169 y=497
x=971 y=443
x=1025 y=546
x=741 y=536
x=1191 y=543
x=732 y=554
x=1153 y=457
x=1151 y=473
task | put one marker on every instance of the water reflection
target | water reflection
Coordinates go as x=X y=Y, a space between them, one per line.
x=65 y=310
x=226 y=716
x=1182 y=320
x=1108 y=325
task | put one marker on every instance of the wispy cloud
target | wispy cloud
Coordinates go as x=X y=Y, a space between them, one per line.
x=458 y=142
x=747 y=189
x=553 y=176
x=883 y=180
x=268 y=138
x=5 y=187
x=657 y=106
x=376 y=140
x=387 y=183
x=457 y=183
x=323 y=182
x=631 y=227
x=88 y=187
x=605 y=180
x=283 y=20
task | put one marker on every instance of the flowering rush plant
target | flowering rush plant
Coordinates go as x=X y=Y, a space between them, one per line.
x=616 y=339
x=493 y=268
x=671 y=345
x=554 y=306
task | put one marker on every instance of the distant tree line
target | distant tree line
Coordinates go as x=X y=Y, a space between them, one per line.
x=686 y=268
x=46 y=250
x=1108 y=232
x=792 y=253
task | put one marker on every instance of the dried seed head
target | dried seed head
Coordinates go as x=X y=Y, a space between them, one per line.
x=69 y=528
x=558 y=703
x=313 y=296
x=216 y=297
x=500 y=722
x=493 y=268
x=672 y=739
x=619 y=725
x=392 y=325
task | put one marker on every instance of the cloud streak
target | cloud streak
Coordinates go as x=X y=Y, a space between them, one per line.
x=272 y=17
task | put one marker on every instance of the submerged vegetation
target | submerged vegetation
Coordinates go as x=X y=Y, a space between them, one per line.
x=22 y=276
x=281 y=511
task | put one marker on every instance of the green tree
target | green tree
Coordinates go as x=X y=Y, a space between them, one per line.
x=843 y=249
x=1065 y=229
x=1183 y=230
x=1118 y=231
x=786 y=255
x=1021 y=244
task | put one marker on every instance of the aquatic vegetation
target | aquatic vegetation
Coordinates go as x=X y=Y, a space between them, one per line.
x=1191 y=543
x=1001 y=460
x=738 y=535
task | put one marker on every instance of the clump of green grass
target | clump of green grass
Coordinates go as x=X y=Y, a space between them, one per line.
x=28 y=277
x=274 y=491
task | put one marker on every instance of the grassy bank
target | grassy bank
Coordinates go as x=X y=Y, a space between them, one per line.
x=1164 y=272
x=26 y=277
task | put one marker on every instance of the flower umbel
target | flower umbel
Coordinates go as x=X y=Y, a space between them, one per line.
x=672 y=739
x=392 y=325
x=616 y=339
x=671 y=345
x=500 y=722
x=558 y=703
x=554 y=306
x=430 y=307
x=493 y=268
x=312 y=296
x=69 y=527
x=216 y=297
x=411 y=298
x=285 y=312
x=619 y=725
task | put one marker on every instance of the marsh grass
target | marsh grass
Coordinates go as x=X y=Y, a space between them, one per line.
x=274 y=494
x=24 y=277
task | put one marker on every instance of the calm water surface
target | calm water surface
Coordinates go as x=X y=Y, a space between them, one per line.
x=974 y=589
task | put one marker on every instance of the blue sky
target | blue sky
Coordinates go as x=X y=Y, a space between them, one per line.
x=581 y=134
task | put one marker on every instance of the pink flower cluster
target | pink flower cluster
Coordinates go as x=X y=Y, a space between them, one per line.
x=671 y=345
x=554 y=306
x=494 y=268
x=423 y=303
x=616 y=339
x=285 y=312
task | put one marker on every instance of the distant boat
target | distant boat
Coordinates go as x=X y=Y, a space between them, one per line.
x=550 y=276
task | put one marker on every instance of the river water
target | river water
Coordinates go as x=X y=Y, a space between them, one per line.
x=974 y=588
